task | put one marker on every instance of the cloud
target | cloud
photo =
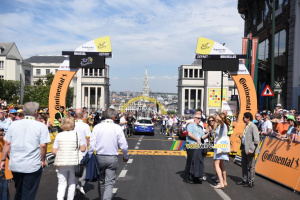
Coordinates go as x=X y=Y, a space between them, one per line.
x=158 y=34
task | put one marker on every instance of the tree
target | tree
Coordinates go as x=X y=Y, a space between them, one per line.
x=49 y=79
x=26 y=98
x=69 y=97
x=9 y=89
x=171 y=112
x=39 y=82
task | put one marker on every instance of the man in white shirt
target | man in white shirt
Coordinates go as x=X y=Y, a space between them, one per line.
x=267 y=125
x=105 y=140
x=84 y=132
x=123 y=122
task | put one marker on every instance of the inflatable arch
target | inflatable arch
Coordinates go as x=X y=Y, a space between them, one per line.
x=161 y=107
x=244 y=84
x=65 y=73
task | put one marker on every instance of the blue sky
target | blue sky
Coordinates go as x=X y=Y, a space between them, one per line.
x=160 y=35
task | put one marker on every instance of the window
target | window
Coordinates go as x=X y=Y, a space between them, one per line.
x=186 y=99
x=91 y=71
x=195 y=73
x=38 y=71
x=280 y=48
x=1 y=64
x=100 y=72
x=85 y=71
x=201 y=73
x=1 y=77
x=199 y=98
x=263 y=50
x=185 y=73
x=47 y=71
x=191 y=73
x=193 y=99
x=96 y=72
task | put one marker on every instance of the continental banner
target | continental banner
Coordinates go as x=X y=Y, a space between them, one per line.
x=244 y=83
x=279 y=161
x=58 y=91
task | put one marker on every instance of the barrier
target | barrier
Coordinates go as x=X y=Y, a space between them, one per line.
x=279 y=161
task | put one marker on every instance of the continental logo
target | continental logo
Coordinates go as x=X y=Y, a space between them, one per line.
x=205 y=46
x=58 y=91
x=247 y=93
x=285 y=161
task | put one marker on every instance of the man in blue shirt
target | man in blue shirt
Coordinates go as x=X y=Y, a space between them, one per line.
x=4 y=123
x=193 y=141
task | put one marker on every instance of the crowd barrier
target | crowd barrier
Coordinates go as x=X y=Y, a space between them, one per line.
x=279 y=161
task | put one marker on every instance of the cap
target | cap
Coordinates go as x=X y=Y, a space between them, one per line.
x=20 y=110
x=41 y=111
x=291 y=117
x=264 y=112
x=13 y=111
x=278 y=105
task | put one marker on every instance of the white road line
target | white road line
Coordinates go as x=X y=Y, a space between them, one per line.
x=123 y=173
x=136 y=147
x=222 y=194
x=114 y=190
x=130 y=160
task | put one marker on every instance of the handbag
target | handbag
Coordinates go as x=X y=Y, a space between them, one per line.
x=79 y=167
x=4 y=192
x=223 y=144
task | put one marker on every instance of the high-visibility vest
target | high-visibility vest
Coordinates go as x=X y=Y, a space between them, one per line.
x=230 y=131
x=56 y=122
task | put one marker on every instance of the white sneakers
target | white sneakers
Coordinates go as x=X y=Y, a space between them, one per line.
x=78 y=187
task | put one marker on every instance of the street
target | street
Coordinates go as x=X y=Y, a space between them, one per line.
x=159 y=177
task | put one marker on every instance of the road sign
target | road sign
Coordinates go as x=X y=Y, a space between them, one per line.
x=267 y=92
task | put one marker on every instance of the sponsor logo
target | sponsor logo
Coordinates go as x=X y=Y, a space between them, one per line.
x=281 y=160
x=104 y=54
x=88 y=47
x=220 y=50
x=205 y=46
x=102 y=45
x=58 y=91
x=247 y=93
x=201 y=56
x=79 y=53
x=86 y=61
x=222 y=146
x=227 y=56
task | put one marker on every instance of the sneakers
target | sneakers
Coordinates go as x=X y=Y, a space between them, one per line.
x=78 y=187
x=170 y=138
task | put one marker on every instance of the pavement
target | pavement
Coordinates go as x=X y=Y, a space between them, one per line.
x=155 y=174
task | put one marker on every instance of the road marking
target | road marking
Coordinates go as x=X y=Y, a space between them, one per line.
x=130 y=160
x=114 y=190
x=222 y=194
x=136 y=147
x=123 y=173
x=155 y=152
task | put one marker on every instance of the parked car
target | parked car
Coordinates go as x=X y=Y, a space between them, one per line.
x=144 y=125
x=182 y=131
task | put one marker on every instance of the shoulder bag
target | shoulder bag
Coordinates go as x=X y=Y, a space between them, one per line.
x=79 y=167
x=223 y=143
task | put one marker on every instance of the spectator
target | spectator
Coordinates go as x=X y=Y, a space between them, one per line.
x=260 y=121
x=297 y=116
x=291 y=120
x=123 y=124
x=65 y=148
x=274 y=132
x=27 y=154
x=296 y=133
x=58 y=118
x=12 y=115
x=267 y=125
x=4 y=123
x=283 y=127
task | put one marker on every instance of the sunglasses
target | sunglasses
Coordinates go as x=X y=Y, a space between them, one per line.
x=197 y=117
x=211 y=120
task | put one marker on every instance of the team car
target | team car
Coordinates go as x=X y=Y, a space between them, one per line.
x=144 y=125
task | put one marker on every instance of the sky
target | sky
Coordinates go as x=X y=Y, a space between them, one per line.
x=158 y=34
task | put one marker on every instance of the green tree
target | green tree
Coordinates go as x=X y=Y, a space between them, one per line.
x=9 y=89
x=49 y=79
x=15 y=99
x=171 y=112
x=26 y=98
x=69 y=97
x=39 y=82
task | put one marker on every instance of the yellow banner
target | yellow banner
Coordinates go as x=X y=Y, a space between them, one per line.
x=214 y=97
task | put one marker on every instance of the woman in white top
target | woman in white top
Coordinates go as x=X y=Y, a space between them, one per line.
x=65 y=148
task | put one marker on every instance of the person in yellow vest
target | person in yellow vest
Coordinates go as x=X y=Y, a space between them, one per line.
x=58 y=118
x=230 y=131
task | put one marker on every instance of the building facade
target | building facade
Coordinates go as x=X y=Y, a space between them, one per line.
x=13 y=67
x=258 y=21
x=91 y=86
x=197 y=89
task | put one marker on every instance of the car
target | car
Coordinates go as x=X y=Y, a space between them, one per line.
x=144 y=125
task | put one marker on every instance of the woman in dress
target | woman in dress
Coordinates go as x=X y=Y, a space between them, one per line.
x=222 y=130
x=65 y=148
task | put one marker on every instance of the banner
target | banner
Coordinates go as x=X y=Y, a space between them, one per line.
x=78 y=61
x=279 y=161
x=214 y=97
x=244 y=83
x=58 y=91
x=244 y=48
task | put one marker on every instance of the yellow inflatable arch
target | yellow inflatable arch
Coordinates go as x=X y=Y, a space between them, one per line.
x=161 y=107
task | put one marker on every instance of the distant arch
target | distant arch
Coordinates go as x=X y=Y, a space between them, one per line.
x=161 y=107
